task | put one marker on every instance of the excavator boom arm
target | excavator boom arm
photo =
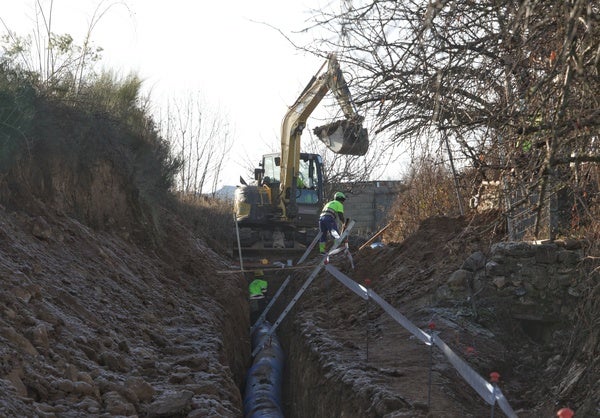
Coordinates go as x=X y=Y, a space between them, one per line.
x=342 y=137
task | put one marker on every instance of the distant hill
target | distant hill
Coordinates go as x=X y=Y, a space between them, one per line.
x=225 y=192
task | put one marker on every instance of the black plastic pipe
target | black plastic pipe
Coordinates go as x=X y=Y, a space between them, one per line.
x=264 y=381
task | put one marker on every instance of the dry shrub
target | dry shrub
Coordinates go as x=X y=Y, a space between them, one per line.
x=583 y=346
x=209 y=218
x=585 y=205
x=430 y=192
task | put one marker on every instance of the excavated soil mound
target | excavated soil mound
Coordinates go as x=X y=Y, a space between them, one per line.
x=370 y=366
x=94 y=324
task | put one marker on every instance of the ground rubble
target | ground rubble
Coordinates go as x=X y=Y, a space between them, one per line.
x=349 y=358
x=95 y=324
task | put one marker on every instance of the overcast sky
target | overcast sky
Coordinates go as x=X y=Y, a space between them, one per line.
x=217 y=48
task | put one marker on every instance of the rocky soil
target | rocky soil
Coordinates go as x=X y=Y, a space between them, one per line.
x=132 y=320
x=95 y=323
x=104 y=322
x=360 y=362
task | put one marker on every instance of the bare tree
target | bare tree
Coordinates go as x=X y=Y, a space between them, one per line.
x=202 y=139
x=510 y=86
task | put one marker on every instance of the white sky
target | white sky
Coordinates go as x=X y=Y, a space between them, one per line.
x=183 y=47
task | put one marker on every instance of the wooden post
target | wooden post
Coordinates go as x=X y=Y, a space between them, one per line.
x=374 y=237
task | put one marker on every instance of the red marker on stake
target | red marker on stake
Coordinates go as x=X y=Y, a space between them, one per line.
x=565 y=413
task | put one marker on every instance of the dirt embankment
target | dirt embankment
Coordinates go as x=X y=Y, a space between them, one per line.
x=388 y=371
x=108 y=313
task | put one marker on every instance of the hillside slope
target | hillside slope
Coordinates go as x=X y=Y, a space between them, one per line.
x=93 y=323
x=110 y=306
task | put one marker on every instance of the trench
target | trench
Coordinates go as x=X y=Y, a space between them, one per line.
x=311 y=384
x=310 y=389
x=304 y=389
x=327 y=376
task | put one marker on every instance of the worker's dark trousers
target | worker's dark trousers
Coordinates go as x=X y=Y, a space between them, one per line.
x=327 y=223
x=257 y=306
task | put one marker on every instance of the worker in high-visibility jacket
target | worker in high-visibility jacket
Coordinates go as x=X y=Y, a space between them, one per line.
x=258 y=292
x=328 y=220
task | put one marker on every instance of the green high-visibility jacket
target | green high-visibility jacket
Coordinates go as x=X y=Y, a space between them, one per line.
x=257 y=288
x=334 y=208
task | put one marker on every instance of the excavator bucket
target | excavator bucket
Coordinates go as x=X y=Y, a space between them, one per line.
x=344 y=137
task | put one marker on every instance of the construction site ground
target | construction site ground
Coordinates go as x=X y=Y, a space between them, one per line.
x=394 y=378
x=105 y=323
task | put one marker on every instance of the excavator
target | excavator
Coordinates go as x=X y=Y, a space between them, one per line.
x=277 y=215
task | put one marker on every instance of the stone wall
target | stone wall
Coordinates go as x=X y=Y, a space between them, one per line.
x=533 y=283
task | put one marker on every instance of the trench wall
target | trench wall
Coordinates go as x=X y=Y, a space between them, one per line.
x=313 y=389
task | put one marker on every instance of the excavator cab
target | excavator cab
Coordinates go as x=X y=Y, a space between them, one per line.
x=261 y=226
x=309 y=184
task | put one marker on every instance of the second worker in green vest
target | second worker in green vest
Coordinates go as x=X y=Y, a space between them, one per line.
x=328 y=221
